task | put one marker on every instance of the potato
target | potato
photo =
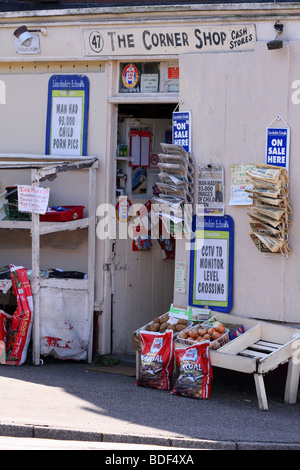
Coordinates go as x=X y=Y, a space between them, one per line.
x=156 y=320
x=154 y=326
x=163 y=326
x=164 y=318
x=147 y=328
x=182 y=321
x=180 y=327
x=171 y=327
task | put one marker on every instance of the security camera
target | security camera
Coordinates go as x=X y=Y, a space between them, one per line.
x=23 y=35
x=276 y=43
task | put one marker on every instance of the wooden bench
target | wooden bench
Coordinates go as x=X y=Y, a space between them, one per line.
x=262 y=348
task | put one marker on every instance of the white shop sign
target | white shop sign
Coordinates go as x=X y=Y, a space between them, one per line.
x=168 y=39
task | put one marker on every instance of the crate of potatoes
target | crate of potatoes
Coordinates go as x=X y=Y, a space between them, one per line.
x=161 y=325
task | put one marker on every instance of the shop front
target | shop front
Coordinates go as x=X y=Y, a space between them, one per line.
x=200 y=77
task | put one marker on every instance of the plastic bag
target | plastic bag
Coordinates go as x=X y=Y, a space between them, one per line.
x=157 y=360
x=21 y=326
x=196 y=373
x=5 y=322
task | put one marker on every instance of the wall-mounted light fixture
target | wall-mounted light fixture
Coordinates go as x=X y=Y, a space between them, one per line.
x=276 y=43
x=24 y=35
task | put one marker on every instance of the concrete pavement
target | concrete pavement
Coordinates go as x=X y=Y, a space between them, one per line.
x=77 y=401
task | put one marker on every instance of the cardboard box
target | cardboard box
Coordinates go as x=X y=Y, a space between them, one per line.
x=235 y=331
x=190 y=313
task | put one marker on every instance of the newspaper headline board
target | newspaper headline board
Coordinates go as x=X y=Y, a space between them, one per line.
x=211 y=263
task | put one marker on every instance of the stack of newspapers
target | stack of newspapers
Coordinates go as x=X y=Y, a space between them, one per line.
x=176 y=183
x=271 y=209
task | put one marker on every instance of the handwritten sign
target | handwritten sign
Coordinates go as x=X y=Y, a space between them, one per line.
x=239 y=184
x=33 y=199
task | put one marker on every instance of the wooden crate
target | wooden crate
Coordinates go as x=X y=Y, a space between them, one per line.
x=262 y=348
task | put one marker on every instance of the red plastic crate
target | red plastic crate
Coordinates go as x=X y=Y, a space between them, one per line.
x=72 y=213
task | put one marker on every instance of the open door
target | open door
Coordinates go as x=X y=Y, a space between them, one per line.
x=143 y=273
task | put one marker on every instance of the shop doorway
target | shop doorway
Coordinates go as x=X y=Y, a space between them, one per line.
x=143 y=271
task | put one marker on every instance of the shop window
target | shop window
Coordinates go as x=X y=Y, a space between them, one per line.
x=139 y=77
x=149 y=77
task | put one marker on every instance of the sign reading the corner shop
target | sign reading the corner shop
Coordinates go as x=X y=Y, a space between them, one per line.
x=168 y=39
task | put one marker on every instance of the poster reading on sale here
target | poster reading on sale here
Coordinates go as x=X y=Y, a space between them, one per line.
x=277 y=152
x=181 y=133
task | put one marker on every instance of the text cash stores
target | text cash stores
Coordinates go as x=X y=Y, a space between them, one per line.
x=168 y=39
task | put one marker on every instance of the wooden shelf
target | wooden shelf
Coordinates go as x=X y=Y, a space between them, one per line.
x=45 y=227
x=79 y=284
x=43 y=167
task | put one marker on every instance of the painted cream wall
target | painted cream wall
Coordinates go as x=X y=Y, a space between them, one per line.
x=233 y=98
x=23 y=130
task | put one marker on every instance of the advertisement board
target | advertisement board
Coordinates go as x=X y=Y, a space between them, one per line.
x=67 y=115
x=211 y=263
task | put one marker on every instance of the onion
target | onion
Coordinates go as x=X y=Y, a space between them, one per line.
x=220 y=328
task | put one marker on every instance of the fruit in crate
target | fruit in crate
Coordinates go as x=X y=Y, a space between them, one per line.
x=212 y=332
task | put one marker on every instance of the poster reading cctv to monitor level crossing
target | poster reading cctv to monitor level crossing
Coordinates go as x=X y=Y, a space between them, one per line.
x=211 y=264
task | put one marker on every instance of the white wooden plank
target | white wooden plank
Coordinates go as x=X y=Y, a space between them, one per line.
x=15 y=224
x=35 y=286
x=53 y=227
x=292 y=381
x=277 y=357
x=252 y=353
x=261 y=392
x=78 y=284
x=232 y=362
x=262 y=348
x=274 y=333
x=270 y=345
x=46 y=227
x=243 y=341
x=91 y=256
x=41 y=157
